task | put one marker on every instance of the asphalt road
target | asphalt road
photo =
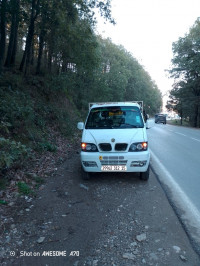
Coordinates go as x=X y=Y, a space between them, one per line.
x=175 y=154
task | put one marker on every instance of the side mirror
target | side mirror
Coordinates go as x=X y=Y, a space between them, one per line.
x=80 y=125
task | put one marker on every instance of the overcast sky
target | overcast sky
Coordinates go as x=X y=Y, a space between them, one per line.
x=147 y=29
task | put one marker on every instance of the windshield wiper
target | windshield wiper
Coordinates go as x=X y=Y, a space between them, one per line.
x=132 y=126
x=100 y=127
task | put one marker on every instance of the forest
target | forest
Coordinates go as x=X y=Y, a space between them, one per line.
x=52 y=64
x=185 y=95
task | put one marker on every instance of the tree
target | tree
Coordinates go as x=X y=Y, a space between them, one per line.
x=3 y=6
x=12 y=47
x=186 y=71
x=43 y=31
x=48 y=26
x=27 y=52
x=118 y=77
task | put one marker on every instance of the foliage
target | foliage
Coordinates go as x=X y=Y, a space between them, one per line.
x=60 y=40
x=11 y=153
x=63 y=66
x=16 y=109
x=3 y=183
x=186 y=72
x=46 y=146
x=118 y=77
x=3 y=202
x=27 y=113
x=49 y=32
x=23 y=188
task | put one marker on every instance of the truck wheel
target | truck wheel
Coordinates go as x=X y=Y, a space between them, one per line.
x=85 y=175
x=145 y=175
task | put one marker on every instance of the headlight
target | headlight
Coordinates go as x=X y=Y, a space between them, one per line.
x=139 y=146
x=89 y=147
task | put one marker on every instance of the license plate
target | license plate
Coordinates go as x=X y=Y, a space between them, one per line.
x=113 y=168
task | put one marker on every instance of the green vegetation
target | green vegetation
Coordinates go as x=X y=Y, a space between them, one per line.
x=185 y=95
x=118 y=77
x=23 y=188
x=30 y=113
x=3 y=202
x=11 y=152
x=51 y=65
x=178 y=122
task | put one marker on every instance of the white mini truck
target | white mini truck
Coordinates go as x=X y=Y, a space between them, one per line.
x=114 y=139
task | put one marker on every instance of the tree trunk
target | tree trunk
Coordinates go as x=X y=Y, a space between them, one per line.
x=41 y=45
x=181 y=117
x=181 y=114
x=27 y=53
x=14 y=50
x=12 y=47
x=50 y=60
x=45 y=56
x=2 y=32
x=196 y=112
x=32 y=57
x=28 y=45
x=64 y=65
x=23 y=60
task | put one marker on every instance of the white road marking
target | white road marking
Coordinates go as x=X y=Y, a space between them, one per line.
x=196 y=139
x=180 y=134
x=191 y=214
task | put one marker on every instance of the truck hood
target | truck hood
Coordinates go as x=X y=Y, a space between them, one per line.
x=128 y=136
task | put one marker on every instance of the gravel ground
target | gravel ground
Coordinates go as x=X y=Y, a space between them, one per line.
x=112 y=219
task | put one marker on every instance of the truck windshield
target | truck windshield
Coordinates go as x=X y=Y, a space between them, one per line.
x=118 y=117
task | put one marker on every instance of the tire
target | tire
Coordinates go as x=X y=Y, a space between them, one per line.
x=145 y=175
x=85 y=175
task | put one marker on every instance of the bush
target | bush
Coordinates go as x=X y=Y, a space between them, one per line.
x=31 y=110
x=11 y=153
x=46 y=146
x=16 y=109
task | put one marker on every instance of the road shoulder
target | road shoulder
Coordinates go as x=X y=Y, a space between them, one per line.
x=112 y=219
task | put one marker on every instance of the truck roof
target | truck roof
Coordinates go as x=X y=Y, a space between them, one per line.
x=100 y=104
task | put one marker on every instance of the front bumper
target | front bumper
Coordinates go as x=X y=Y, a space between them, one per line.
x=134 y=161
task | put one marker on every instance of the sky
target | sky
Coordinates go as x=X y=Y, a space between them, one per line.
x=147 y=29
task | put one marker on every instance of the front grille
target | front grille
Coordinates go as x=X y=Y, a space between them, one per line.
x=121 y=146
x=105 y=146
x=113 y=160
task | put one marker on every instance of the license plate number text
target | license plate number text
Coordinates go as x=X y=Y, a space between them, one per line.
x=113 y=168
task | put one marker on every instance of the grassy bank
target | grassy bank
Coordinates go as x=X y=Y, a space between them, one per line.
x=177 y=122
x=35 y=115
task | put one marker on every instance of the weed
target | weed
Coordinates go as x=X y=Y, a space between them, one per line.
x=39 y=180
x=3 y=202
x=46 y=146
x=11 y=152
x=23 y=188
x=3 y=183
